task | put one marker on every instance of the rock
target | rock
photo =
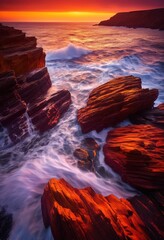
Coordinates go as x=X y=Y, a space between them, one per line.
x=6 y=222
x=90 y=144
x=154 y=116
x=81 y=154
x=113 y=102
x=138 y=19
x=151 y=213
x=18 y=52
x=136 y=152
x=46 y=111
x=87 y=154
x=26 y=92
x=83 y=214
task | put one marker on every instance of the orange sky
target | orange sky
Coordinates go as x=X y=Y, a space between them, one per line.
x=69 y=10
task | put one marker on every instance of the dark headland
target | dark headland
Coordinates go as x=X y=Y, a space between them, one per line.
x=137 y=19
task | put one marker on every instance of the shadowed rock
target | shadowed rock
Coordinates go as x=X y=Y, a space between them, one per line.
x=136 y=152
x=83 y=214
x=6 y=222
x=113 y=102
x=154 y=116
x=26 y=95
x=138 y=19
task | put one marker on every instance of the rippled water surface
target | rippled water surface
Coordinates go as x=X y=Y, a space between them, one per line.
x=80 y=57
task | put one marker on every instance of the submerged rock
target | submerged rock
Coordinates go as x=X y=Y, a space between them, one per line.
x=87 y=154
x=83 y=214
x=138 y=19
x=115 y=101
x=136 y=152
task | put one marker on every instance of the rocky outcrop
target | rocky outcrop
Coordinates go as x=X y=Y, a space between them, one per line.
x=138 y=19
x=26 y=93
x=115 y=101
x=154 y=116
x=18 y=52
x=136 y=152
x=83 y=214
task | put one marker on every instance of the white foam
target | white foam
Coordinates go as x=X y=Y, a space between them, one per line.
x=69 y=52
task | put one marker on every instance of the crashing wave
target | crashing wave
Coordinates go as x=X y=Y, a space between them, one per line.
x=69 y=52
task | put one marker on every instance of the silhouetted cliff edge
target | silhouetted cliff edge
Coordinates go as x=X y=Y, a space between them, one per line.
x=146 y=18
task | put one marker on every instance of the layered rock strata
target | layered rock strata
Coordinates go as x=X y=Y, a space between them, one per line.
x=137 y=152
x=115 y=101
x=83 y=214
x=27 y=98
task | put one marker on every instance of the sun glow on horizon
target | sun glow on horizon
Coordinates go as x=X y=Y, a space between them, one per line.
x=75 y=16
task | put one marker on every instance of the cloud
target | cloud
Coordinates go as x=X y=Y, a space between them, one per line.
x=75 y=5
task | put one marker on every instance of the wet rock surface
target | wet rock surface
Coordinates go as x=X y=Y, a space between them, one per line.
x=113 y=102
x=26 y=92
x=154 y=116
x=136 y=152
x=83 y=214
x=87 y=155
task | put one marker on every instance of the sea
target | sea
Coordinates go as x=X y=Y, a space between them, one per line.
x=79 y=57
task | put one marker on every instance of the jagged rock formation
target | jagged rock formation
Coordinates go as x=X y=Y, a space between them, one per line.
x=82 y=214
x=18 y=52
x=25 y=86
x=138 y=19
x=115 y=101
x=154 y=116
x=136 y=152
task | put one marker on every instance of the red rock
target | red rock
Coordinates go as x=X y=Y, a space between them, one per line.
x=82 y=214
x=115 y=101
x=154 y=116
x=136 y=152
x=34 y=85
x=18 y=52
x=46 y=111
x=25 y=86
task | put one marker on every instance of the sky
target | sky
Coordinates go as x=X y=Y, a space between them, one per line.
x=69 y=10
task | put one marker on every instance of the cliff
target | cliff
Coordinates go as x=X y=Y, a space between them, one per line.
x=137 y=19
x=26 y=91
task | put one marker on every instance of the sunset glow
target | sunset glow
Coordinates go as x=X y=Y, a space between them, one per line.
x=12 y=16
x=69 y=11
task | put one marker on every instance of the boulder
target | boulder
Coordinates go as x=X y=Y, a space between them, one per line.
x=136 y=152
x=87 y=154
x=115 y=101
x=137 y=19
x=83 y=214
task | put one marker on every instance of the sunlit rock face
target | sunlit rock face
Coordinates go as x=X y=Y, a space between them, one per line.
x=26 y=92
x=83 y=214
x=137 y=19
x=136 y=153
x=18 y=52
x=115 y=101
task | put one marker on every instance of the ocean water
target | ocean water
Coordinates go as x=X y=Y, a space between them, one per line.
x=79 y=57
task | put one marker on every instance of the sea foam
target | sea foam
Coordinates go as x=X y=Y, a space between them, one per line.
x=69 y=52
